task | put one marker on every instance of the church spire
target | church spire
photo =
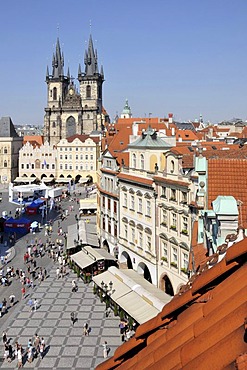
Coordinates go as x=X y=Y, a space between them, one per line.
x=57 y=62
x=90 y=59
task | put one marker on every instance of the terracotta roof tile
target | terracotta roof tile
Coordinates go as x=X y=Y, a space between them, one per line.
x=230 y=180
x=200 y=331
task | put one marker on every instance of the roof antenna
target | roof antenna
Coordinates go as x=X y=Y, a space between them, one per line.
x=90 y=26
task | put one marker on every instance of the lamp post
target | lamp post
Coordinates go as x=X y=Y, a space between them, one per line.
x=77 y=222
x=106 y=293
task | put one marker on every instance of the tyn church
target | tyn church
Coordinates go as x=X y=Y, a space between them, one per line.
x=68 y=111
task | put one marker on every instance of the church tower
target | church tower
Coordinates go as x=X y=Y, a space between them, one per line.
x=63 y=114
x=91 y=81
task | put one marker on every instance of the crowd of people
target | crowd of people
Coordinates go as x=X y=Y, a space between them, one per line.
x=35 y=348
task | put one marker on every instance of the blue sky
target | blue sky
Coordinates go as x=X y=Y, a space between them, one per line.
x=186 y=57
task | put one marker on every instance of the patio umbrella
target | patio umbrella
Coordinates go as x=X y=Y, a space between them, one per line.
x=34 y=224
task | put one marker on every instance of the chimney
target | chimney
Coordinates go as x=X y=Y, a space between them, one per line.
x=170 y=117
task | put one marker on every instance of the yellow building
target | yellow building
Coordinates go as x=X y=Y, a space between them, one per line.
x=77 y=157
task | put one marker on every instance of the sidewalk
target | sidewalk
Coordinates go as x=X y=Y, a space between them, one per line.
x=67 y=347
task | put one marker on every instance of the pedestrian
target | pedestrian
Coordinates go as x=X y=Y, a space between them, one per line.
x=19 y=358
x=41 y=351
x=105 y=349
x=36 y=344
x=23 y=292
x=72 y=317
x=4 y=306
x=85 y=329
x=58 y=272
x=11 y=300
x=6 y=352
x=35 y=304
x=30 y=354
x=30 y=304
x=74 y=286
x=4 y=336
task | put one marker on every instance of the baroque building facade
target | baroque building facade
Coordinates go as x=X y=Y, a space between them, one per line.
x=10 y=145
x=69 y=111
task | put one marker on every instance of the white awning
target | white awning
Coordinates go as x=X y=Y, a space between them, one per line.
x=88 y=256
x=25 y=179
x=62 y=180
x=83 y=180
x=135 y=295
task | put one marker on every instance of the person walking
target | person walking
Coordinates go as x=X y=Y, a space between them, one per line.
x=35 y=304
x=30 y=304
x=23 y=292
x=85 y=329
x=36 y=344
x=19 y=358
x=73 y=318
x=105 y=349
x=4 y=336
x=58 y=272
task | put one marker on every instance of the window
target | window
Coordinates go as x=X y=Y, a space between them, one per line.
x=174 y=256
x=184 y=197
x=70 y=167
x=103 y=223
x=115 y=206
x=164 y=249
x=163 y=194
x=109 y=204
x=126 y=232
x=185 y=261
x=76 y=157
x=174 y=221
x=65 y=166
x=76 y=149
x=91 y=167
x=61 y=156
x=185 y=225
x=140 y=239
x=148 y=208
x=61 y=166
x=53 y=124
x=65 y=149
x=70 y=149
x=103 y=201
x=76 y=167
x=70 y=156
x=172 y=166
x=54 y=93
x=47 y=166
x=27 y=165
x=132 y=235
x=86 y=157
x=132 y=202
x=5 y=164
x=53 y=166
x=164 y=217
x=115 y=229
x=134 y=160
x=142 y=162
x=148 y=238
x=81 y=157
x=65 y=157
x=109 y=227
x=140 y=205
x=125 y=200
x=22 y=165
x=88 y=92
x=173 y=194
x=5 y=151
x=91 y=157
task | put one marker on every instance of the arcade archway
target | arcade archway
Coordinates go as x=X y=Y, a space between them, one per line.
x=142 y=269
x=166 y=285
x=125 y=258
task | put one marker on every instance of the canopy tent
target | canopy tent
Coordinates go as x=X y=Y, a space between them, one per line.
x=135 y=295
x=32 y=208
x=25 y=179
x=89 y=256
x=86 y=234
x=21 y=225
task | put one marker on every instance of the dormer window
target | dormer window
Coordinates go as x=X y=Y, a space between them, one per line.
x=172 y=166
x=134 y=160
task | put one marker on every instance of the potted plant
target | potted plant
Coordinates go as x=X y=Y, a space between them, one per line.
x=121 y=315
x=94 y=289
x=164 y=259
x=131 y=322
x=184 y=270
x=184 y=231
x=173 y=227
x=174 y=264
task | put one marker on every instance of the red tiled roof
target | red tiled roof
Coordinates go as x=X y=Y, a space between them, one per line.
x=135 y=179
x=228 y=177
x=164 y=180
x=202 y=328
x=34 y=140
x=186 y=135
x=82 y=138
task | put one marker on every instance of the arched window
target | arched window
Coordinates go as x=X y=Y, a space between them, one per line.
x=5 y=164
x=88 y=92
x=142 y=162
x=134 y=160
x=53 y=124
x=54 y=93
x=172 y=166
x=5 y=150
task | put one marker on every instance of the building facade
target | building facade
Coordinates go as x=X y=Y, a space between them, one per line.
x=10 y=145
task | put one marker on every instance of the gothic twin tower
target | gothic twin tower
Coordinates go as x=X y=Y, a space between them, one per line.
x=68 y=111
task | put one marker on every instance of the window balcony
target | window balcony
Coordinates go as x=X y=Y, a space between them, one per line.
x=184 y=232
x=173 y=227
x=174 y=264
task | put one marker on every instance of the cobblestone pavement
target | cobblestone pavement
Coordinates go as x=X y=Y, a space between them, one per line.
x=67 y=348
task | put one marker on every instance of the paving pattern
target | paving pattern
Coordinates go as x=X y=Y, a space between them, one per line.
x=67 y=348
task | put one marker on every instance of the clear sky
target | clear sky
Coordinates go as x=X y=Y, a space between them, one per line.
x=182 y=56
